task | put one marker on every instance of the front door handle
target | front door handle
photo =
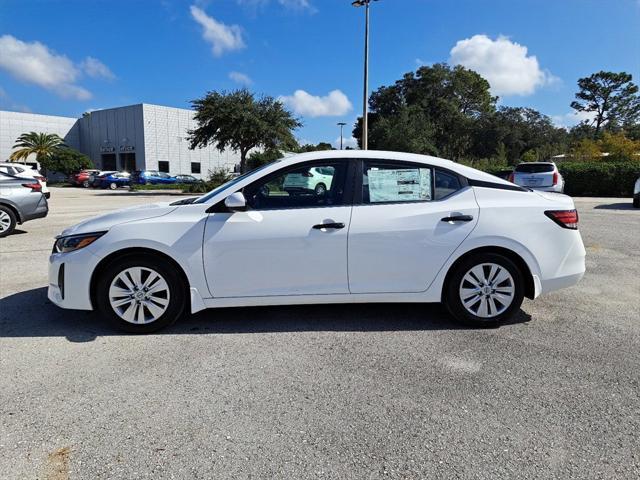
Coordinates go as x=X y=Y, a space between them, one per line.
x=457 y=218
x=323 y=226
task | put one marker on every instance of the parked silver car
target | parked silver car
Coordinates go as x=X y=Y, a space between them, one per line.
x=538 y=176
x=21 y=200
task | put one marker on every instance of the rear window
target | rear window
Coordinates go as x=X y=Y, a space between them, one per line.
x=535 y=168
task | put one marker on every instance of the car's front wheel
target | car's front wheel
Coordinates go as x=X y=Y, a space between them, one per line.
x=141 y=294
x=484 y=289
x=7 y=221
x=636 y=200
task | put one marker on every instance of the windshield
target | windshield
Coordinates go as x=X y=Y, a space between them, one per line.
x=228 y=185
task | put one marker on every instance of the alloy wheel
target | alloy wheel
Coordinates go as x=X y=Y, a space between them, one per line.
x=487 y=290
x=139 y=295
x=5 y=221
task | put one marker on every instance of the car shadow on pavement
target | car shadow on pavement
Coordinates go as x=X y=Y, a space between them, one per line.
x=31 y=314
x=616 y=206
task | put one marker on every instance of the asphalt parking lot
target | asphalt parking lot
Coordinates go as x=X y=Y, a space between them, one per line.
x=333 y=391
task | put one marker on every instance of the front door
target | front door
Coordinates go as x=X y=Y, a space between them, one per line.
x=398 y=240
x=288 y=242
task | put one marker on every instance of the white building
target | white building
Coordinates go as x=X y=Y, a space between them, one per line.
x=135 y=137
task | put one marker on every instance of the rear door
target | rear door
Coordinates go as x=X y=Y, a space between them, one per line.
x=407 y=220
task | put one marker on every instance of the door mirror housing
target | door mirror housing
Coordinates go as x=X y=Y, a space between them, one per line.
x=236 y=202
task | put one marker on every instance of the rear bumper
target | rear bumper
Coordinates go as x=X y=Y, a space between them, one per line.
x=570 y=269
x=41 y=210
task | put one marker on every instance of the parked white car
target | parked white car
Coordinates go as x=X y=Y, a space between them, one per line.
x=316 y=180
x=25 y=171
x=636 y=194
x=543 y=176
x=391 y=227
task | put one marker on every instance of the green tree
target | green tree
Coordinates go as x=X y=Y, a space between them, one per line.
x=439 y=105
x=66 y=160
x=240 y=121
x=42 y=145
x=258 y=159
x=611 y=97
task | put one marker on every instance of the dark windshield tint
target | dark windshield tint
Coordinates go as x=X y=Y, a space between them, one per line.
x=534 y=168
x=228 y=185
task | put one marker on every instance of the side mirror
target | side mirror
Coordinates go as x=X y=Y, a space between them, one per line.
x=236 y=202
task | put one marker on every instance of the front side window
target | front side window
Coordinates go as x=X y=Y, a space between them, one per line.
x=397 y=182
x=308 y=186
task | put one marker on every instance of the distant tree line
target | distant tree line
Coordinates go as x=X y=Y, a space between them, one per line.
x=449 y=112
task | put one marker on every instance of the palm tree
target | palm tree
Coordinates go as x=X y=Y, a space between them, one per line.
x=43 y=145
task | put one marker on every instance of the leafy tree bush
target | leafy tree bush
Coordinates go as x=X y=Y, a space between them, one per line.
x=217 y=177
x=66 y=160
x=600 y=178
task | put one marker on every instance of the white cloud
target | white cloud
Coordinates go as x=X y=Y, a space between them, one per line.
x=96 y=69
x=346 y=142
x=505 y=64
x=241 y=78
x=223 y=38
x=300 y=5
x=571 y=119
x=303 y=103
x=35 y=63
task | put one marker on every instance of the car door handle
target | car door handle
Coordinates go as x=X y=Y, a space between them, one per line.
x=458 y=218
x=323 y=226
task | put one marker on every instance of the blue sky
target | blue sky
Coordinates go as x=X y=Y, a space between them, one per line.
x=66 y=57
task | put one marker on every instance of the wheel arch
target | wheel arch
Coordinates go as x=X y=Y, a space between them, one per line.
x=136 y=252
x=529 y=285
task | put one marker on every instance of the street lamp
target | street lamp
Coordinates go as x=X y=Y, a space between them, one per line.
x=365 y=107
x=341 y=125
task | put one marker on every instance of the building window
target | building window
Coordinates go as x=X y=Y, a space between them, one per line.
x=195 y=167
x=163 y=167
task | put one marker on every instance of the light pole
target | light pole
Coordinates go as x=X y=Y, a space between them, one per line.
x=341 y=125
x=365 y=101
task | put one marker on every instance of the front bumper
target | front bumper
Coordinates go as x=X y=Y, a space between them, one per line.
x=69 y=285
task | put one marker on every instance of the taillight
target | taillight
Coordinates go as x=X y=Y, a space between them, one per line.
x=36 y=187
x=555 y=178
x=511 y=178
x=307 y=174
x=564 y=218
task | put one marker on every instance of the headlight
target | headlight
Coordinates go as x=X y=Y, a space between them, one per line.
x=75 y=242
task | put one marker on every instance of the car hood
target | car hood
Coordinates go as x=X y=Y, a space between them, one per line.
x=126 y=215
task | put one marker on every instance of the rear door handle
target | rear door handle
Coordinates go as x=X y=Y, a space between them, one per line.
x=323 y=226
x=458 y=218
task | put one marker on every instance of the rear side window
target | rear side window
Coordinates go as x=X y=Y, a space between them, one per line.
x=534 y=168
x=396 y=183
x=446 y=184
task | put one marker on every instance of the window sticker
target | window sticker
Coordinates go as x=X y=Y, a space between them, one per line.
x=402 y=185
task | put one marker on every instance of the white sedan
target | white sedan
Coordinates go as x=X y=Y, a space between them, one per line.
x=391 y=227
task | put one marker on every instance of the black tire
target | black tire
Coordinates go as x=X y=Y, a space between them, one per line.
x=636 y=200
x=320 y=190
x=85 y=184
x=177 y=298
x=12 y=221
x=454 y=303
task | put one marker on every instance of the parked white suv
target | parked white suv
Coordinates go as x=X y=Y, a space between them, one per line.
x=317 y=180
x=25 y=171
x=538 y=176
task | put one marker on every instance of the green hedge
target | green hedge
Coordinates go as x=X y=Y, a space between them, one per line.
x=599 y=179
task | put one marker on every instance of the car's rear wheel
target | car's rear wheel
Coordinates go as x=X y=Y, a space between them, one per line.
x=85 y=184
x=320 y=190
x=484 y=289
x=7 y=221
x=113 y=185
x=141 y=294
